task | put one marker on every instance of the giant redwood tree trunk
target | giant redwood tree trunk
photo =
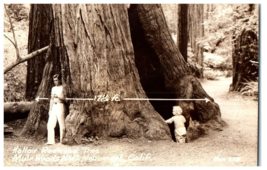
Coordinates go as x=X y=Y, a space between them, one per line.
x=196 y=29
x=92 y=47
x=39 y=28
x=182 y=36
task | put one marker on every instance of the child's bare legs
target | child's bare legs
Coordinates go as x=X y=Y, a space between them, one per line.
x=180 y=138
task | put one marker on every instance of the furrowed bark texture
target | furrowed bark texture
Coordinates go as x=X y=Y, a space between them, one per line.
x=182 y=36
x=39 y=111
x=174 y=78
x=94 y=48
x=91 y=46
x=39 y=28
x=196 y=29
x=101 y=60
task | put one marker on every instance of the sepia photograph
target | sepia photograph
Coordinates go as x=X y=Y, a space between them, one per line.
x=131 y=84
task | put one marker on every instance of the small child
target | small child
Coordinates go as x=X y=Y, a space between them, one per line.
x=179 y=120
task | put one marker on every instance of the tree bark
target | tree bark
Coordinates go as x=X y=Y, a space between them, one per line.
x=92 y=48
x=196 y=29
x=163 y=71
x=245 y=52
x=93 y=44
x=182 y=36
x=39 y=27
x=16 y=110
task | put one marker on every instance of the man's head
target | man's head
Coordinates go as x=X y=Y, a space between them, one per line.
x=177 y=110
x=57 y=79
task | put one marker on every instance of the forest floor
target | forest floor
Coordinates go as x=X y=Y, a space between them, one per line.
x=236 y=145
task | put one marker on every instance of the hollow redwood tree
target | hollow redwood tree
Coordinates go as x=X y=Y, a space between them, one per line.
x=111 y=50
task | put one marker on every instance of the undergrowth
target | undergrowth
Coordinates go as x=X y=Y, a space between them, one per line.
x=15 y=79
x=250 y=88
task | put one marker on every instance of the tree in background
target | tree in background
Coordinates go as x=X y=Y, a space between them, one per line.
x=39 y=29
x=245 y=46
x=209 y=8
x=182 y=26
x=196 y=30
x=235 y=24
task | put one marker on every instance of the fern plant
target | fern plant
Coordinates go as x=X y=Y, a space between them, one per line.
x=250 y=88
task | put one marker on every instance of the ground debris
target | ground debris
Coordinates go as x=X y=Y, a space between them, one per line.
x=91 y=139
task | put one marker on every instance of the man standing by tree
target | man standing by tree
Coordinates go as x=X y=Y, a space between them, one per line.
x=56 y=111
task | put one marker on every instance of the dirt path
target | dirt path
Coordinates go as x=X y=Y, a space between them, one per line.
x=236 y=145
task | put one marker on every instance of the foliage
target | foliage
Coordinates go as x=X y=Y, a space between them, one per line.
x=245 y=18
x=219 y=24
x=170 y=13
x=211 y=75
x=229 y=73
x=18 y=11
x=14 y=88
x=215 y=61
x=250 y=88
x=224 y=21
x=19 y=14
x=15 y=79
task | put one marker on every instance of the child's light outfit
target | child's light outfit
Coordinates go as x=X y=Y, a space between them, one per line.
x=180 y=131
x=56 y=114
